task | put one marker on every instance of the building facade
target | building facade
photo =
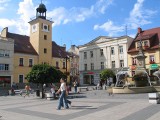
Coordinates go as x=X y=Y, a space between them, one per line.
x=101 y=53
x=150 y=40
x=38 y=48
x=74 y=63
x=6 y=61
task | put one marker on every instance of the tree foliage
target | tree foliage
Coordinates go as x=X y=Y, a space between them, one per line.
x=43 y=73
x=105 y=74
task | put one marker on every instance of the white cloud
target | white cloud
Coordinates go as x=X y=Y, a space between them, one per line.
x=7 y=23
x=59 y=15
x=139 y=16
x=25 y=11
x=3 y=4
x=102 y=5
x=110 y=28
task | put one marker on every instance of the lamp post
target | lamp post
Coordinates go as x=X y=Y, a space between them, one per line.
x=66 y=59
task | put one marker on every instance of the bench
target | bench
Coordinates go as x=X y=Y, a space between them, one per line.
x=17 y=91
x=80 y=88
x=154 y=98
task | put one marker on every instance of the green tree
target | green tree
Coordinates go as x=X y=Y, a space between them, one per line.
x=42 y=74
x=105 y=74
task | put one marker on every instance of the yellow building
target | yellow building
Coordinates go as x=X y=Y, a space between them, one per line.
x=150 y=42
x=37 y=48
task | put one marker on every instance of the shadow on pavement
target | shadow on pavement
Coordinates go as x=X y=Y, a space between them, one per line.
x=82 y=107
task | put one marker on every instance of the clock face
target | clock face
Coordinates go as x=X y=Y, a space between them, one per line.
x=45 y=28
x=34 y=28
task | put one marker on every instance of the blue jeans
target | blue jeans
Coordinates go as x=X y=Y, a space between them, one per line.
x=75 y=89
x=62 y=100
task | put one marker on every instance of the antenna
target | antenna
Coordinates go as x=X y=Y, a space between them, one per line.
x=126 y=29
x=41 y=1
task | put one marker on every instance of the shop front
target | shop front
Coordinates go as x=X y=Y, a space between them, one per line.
x=153 y=68
x=5 y=81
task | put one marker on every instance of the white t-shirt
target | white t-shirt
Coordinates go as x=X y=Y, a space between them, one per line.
x=63 y=87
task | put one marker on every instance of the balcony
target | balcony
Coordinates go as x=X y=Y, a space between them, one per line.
x=21 y=65
x=146 y=46
x=134 y=63
x=57 y=67
x=30 y=65
x=152 y=62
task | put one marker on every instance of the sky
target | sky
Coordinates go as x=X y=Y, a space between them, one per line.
x=77 y=22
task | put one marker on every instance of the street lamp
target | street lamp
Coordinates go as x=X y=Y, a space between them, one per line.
x=66 y=59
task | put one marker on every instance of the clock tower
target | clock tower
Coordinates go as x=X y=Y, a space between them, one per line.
x=41 y=35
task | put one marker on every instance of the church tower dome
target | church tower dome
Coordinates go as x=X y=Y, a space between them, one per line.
x=41 y=11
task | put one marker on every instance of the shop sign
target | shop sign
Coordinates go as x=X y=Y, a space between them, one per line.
x=89 y=73
x=154 y=66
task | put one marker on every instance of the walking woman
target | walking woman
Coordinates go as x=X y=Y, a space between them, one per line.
x=62 y=98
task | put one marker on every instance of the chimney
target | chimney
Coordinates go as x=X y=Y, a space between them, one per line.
x=139 y=30
x=4 y=32
x=73 y=47
x=64 y=45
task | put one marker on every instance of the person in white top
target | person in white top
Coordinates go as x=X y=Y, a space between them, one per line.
x=62 y=98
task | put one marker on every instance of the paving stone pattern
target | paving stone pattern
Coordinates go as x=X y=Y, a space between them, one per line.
x=90 y=105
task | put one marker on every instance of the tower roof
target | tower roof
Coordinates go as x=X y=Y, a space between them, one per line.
x=41 y=8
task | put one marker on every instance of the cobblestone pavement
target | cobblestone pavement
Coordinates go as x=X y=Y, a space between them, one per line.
x=90 y=105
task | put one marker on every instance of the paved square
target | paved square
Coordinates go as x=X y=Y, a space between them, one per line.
x=91 y=105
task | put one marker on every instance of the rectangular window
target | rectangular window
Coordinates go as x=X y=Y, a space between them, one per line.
x=146 y=43
x=112 y=50
x=21 y=62
x=57 y=64
x=102 y=65
x=101 y=52
x=121 y=63
x=152 y=59
x=4 y=67
x=45 y=50
x=92 y=66
x=121 y=49
x=21 y=78
x=4 y=53
x=45 y=37
x=85 y=66
x=91 y=54
x=64 y=65
x=134 y=61
x=113 y=64
x=30 y=62
x=85 y=55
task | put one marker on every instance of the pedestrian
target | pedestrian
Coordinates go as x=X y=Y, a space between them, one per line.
x=27 y=88
x=75 y=86
x=67 y=93
x=62 y=99
x=52 y=90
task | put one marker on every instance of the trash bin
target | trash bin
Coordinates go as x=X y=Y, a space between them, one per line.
x=38 y=93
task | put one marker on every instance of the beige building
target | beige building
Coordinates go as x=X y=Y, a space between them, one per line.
x=6 y=60
x=150 y=43
x=37 y=48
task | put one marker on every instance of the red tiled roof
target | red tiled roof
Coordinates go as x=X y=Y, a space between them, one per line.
x=22 y=44
x=59 y=51
x=152 y=34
